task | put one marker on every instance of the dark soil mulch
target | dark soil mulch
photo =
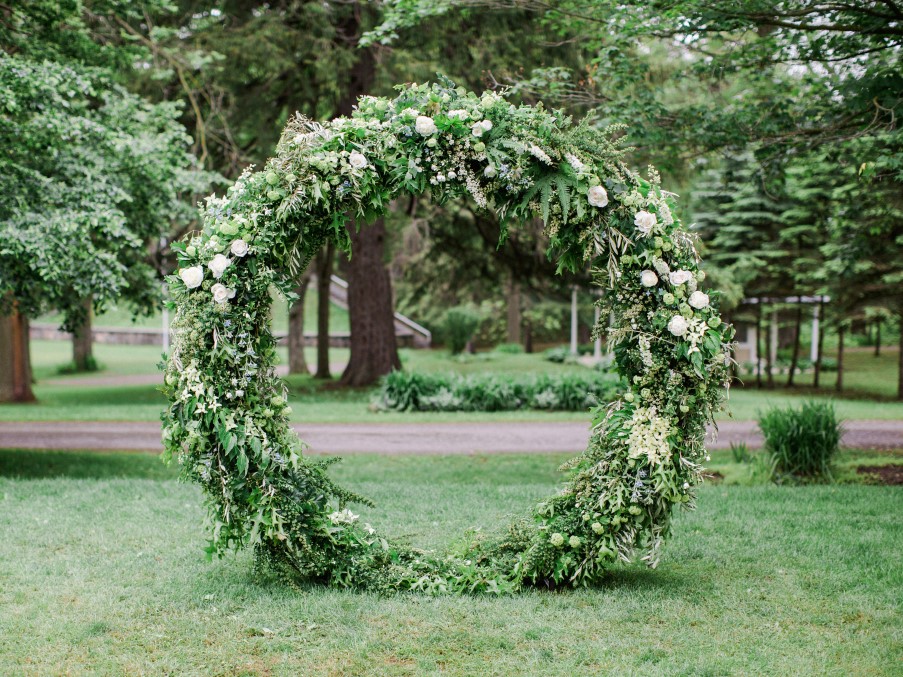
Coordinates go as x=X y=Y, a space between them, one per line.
x=892 y=473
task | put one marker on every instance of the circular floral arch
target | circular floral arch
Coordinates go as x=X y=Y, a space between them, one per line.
x=228 y=419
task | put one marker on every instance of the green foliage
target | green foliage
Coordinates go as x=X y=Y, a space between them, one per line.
x=89 y=174
x=509 y=348
x=559 y=355
x=91 y=364
x=227 y=422
x=411 y=391
x=802 y=441
x=458 y=327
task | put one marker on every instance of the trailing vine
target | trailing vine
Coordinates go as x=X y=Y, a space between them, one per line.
x=228 y=419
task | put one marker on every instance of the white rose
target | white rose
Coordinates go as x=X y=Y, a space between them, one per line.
x=425 y=125
x=678 y=325
x=645 y=222
x=192 y=277
x=239 y=248
x=678 y=277
x=460 y=114
x=477 y=129
x=648 y=278
x=357 y=160
x=221 y=293
x=218 y=265
x=698 y=300
x=487 y=125
x=597 y=196
x=490 y=172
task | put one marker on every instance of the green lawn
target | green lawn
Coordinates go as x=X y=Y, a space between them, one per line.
x=864 y=374
x=102 y=572
x=69 y=398
x=120 y=317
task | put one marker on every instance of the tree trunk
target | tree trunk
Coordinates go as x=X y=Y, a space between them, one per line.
x=840 y=333
x=878 y=337
x=900 y=360
x=821 y=344
x=373 y=349
x=528 y=337
x=514 y=310
x=324 y=281
x=796 y=344
x=297 y=363
x=83 y=342
x=15 y=359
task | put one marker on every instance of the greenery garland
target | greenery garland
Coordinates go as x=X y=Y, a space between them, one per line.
x=228 y=421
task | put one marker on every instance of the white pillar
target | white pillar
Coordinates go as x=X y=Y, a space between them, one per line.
x=813 y=346
x=597 y=346
x=752 y=342
x=774 y=338
x=574 y=320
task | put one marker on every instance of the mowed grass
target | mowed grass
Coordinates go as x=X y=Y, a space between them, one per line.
x=864 y=375
x=102 y=572
x=83 y=397
x=122 y=318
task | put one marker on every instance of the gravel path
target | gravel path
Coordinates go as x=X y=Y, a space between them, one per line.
x=406 y=438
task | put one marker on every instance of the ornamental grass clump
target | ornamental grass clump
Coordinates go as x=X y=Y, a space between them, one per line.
x=802 y=441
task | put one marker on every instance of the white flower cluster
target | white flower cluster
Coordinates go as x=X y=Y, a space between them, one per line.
x=193 y=276
x=698 y=300
x=645 y=222
x=645 y=352
x=481 y=127
x=575 y=163
x=648 y=435
x=648 y=278
x=357 y=160
x=425 y=126
x=678 y=325
x=343 y=517
x=696 y=330
x=539 y=154
x=679 y=277
x=597 y=196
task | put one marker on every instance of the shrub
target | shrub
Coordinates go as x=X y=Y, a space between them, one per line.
x=559 y=354
x=408 y=391
x=459 y=326
x=91 y=364
x=828 y=364
x=509 y=348
x=802 y=441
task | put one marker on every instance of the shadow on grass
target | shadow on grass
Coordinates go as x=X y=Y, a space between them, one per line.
x=36 y=464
